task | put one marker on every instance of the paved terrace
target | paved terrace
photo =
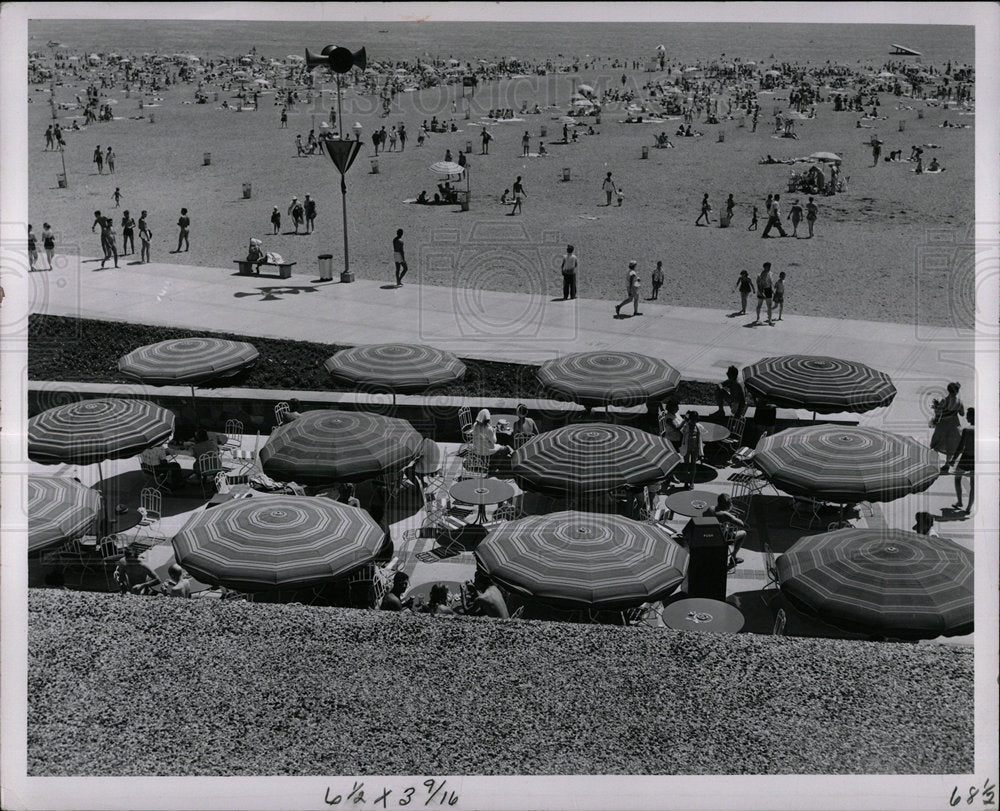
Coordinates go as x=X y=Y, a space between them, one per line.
x=530 y=328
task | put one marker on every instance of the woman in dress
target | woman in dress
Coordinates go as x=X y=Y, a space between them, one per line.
x=745 y=285
x=947 y=426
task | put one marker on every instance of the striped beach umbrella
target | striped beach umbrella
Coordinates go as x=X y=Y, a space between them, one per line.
x=609 y=378
x=592 y=457
x=187 y=361
x=274 y=541
x=89 y=431
x=846 y=464
x=395 y=367
x=59 y=509
x=326 y=446
x=887 y=582
x=820 y=384
x=583 y=560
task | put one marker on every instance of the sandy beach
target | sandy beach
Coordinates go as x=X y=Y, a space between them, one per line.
x=864 y=262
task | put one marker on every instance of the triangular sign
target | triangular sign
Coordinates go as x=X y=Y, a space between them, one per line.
x=342 y=153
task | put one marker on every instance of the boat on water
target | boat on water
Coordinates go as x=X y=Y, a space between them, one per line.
x=900 y=49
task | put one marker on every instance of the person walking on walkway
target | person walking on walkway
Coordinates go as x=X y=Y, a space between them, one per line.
x=811 y=211
x=183 y=225
x=48 y=243
x=964 y=460
x=779 y=294
x=774 y=218
x=518 y=196
x=108 y=242
x=765 y=292
x=706 y=207
x=632 y=295
x=609 y=188
x=32 y=248
x=296 y=211
x=399 y=257
x=145 y=237
x=569 y=266
x=745 y=286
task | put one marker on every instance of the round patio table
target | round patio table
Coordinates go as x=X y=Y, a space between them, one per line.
x=481 y=492
x=713 y=432
x=703 y=614
x=690 y=503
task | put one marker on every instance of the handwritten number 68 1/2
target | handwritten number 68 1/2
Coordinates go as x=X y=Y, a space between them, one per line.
x=988 y=795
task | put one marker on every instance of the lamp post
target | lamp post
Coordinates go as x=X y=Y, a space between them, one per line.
x=341 y=152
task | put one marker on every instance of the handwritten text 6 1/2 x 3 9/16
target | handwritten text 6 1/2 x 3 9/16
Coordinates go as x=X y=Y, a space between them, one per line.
x=435 y=794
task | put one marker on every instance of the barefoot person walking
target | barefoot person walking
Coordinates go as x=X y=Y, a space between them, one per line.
x=811 y=211
x=779 y=293
x=765 y=292
x=518 y=196
x=184 y=225
x=399 y=257
x=964 y=459
x=706 y=207
x=745 y=285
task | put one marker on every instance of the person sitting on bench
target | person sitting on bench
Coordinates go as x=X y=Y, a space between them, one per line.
x=255 y=255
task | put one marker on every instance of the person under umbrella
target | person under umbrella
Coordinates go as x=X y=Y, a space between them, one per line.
x=484 y=436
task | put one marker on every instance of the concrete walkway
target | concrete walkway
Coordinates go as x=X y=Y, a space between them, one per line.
x=520 y=327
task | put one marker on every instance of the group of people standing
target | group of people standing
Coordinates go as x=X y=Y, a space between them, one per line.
x=770 y=292
x=109 y=243
x=48 y=244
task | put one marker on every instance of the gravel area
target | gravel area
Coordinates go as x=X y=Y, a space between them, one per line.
x=148 y=686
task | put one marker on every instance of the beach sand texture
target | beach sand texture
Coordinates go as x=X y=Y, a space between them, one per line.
x=865 y=261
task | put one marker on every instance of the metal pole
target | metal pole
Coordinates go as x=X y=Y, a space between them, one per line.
x=343 y=197
x=340 y=113
x=62 y=154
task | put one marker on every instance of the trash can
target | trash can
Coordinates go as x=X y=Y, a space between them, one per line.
x=468 y=146
x=722 y=136
x=216 y=96
x=920 y=113
x=645 y=152
x=565 y=173
x=597 y=120
x=463 y=200
x=544 y=132
x=152 y=118
x=61 y=180
x=902 y=126
x=207 y=159
x=467 y=116
x=374 y=166
x=246 y=191
x=326 y=267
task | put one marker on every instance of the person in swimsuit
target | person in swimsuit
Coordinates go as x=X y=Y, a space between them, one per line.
x=745 y=286
x=518 y=196
x=32 y=246
x=765 y=292
x=779 y=293
x=964 y=460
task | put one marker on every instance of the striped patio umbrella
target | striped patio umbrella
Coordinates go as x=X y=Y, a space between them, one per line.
x=609 y=378
x=592 y=457
x=346 y=446
x=820 y=384
x=395 y=367
x=274 y=541
x=187 y=361
x=887 y=582
x=59 y=509
x=583 y=560
x=846 y=464
x=90 y=431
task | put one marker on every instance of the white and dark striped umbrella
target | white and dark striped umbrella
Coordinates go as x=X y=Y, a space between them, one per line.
x=583 y=560
x=273 y=541
x=609 y=378
x=592 y=457
x=90 y=431
x=187 y=361
x=846 y=464
x=888 y=582
x=59 y=509
x=395 y=367
x=339 y=446
x=820 y=384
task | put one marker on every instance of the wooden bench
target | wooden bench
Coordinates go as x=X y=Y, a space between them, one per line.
x=247 y=268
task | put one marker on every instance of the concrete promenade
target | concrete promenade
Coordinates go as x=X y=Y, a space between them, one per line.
x=520 y=327
x=527 y=328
